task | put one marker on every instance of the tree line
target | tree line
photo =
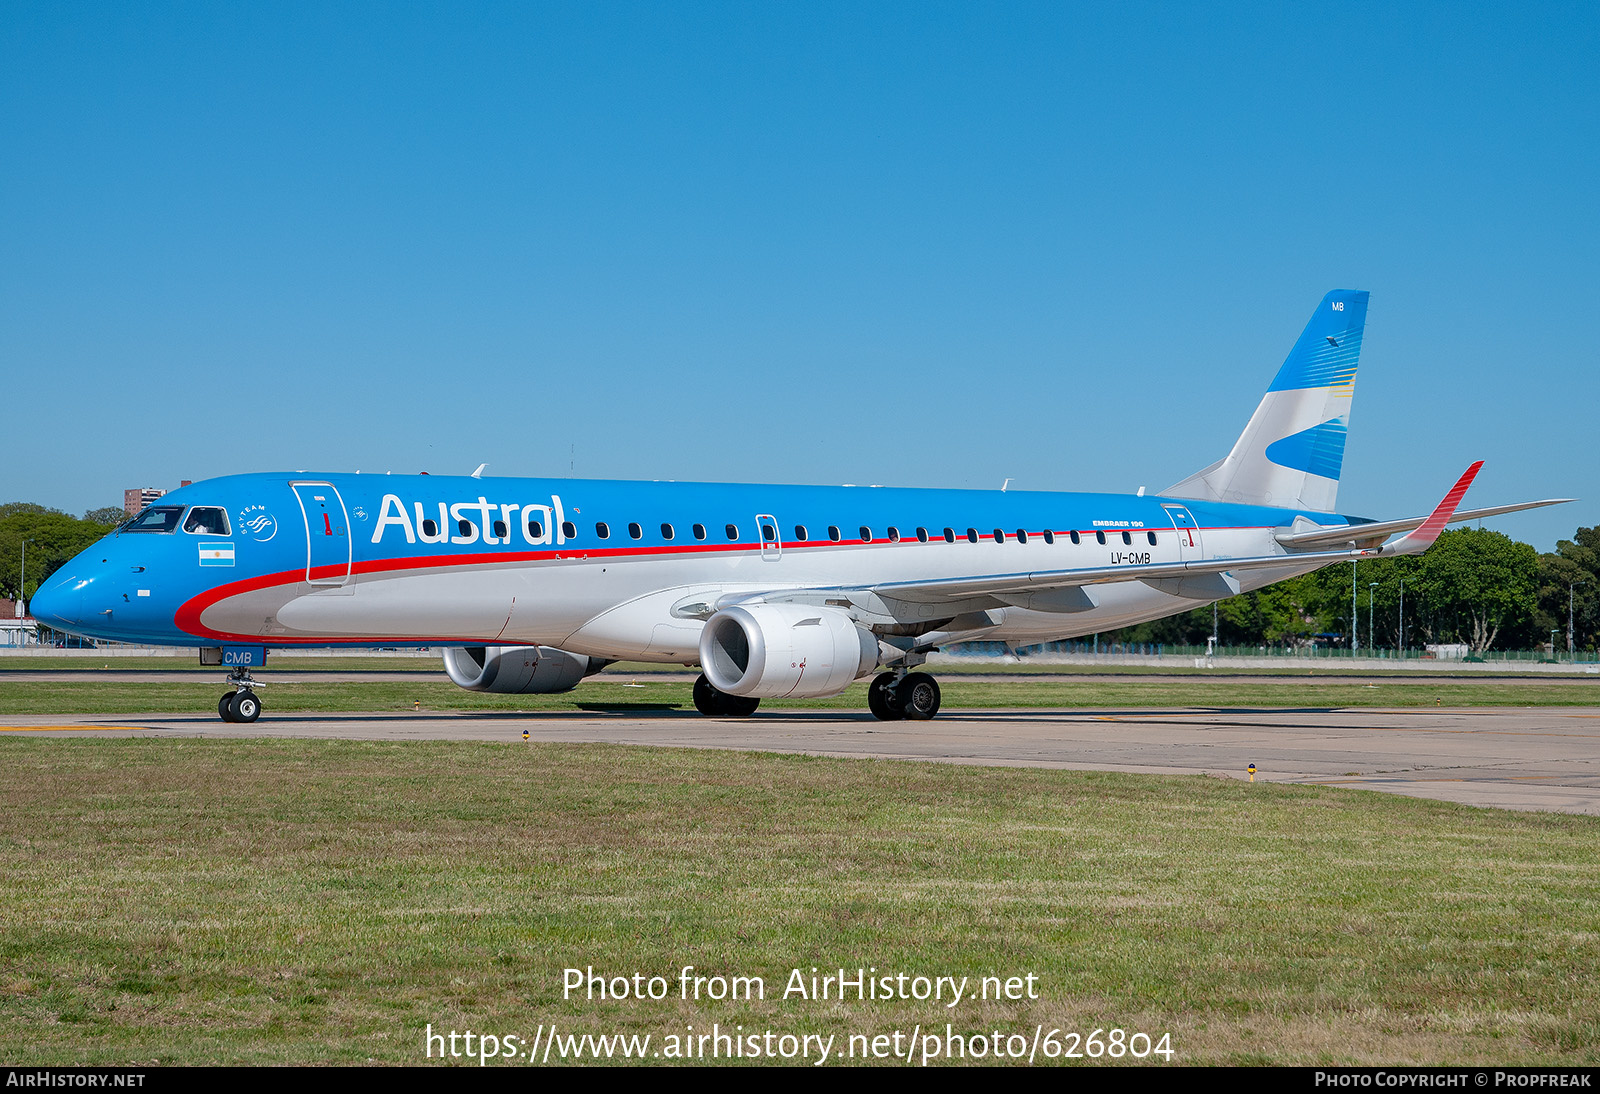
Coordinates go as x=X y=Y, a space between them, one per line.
x=1476 y=587
x=52 y=536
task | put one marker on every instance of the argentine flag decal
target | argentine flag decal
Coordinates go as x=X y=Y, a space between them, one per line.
x=216 y=554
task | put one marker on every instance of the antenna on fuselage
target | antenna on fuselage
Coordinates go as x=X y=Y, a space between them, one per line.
x=478 y=474
x=1004 y=485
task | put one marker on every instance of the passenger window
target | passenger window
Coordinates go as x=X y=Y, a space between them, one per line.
x=535 y=529
x=1126 y=538
x=894 y=534
x=601 y=529
x=430 y=527
x=666 y=531
x=634 y=531
x=500 y=530
x=769 y=534
x=699 y=531
x=866 y=534
x=733 y=532
x=465 y=528
x=158 y=518
x=999 y=536
x=1022 y=536
x=1073 y=536
x=207 y=521
x=1100 y=538
x=949 y=535
x=1151 y=536
x=833 y=533
x=922 y=535
x=972 y=535
x=800 y=532
x=569 y=529
x=1049 y=536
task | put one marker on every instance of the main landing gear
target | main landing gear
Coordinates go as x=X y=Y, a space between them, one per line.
x=910 y=695
x=891 y=696
x=241 y=704
x=719 y=704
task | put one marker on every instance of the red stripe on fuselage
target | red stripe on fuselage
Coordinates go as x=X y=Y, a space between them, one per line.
x=187 y=616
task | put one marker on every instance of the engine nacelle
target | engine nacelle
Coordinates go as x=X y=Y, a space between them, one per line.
x=770 y=650
x=518 y=670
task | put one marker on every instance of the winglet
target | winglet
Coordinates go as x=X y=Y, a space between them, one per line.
x=1423 y=537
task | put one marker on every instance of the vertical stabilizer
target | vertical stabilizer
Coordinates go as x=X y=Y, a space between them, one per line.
x=1291 y=452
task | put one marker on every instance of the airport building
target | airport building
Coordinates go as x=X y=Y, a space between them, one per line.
x=136 y=501
x=16 y=629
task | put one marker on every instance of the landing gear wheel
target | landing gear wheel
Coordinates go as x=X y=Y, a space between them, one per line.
x=225 y=706
x=719 y=704
x=706 y=698
x=919 y=696
x=245 y=707
x=881 y=698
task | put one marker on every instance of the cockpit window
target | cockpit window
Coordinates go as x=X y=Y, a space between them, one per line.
x=207 y=521
x=157 y=518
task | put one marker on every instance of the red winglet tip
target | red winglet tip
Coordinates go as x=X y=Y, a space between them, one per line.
x=1446 y=509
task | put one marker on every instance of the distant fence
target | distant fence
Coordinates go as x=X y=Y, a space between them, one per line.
x=1159 y=649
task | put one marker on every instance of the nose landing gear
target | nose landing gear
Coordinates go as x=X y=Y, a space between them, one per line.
x=241 y=704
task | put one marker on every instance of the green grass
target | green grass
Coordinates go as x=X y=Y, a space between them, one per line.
x=252 y=901
x=435 y=692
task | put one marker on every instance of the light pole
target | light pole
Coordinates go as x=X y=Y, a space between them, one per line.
x=22 y=585
x=1372 y=628
x=1355 y=639
x=1402 y=631
x=1570 y=589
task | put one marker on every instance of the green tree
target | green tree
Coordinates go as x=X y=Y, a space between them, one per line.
x=1572 y=570
x=1473 y=584
x=52 y=537
x=112 y=515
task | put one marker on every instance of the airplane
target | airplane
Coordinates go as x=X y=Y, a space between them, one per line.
x=531 y=585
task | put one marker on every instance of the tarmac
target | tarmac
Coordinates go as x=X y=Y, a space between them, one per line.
x=1545 y=758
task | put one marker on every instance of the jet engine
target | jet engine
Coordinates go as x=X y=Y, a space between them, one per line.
x=769 y=650
x=518 y=670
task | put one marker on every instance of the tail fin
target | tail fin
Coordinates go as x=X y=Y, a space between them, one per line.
x=1291 y=452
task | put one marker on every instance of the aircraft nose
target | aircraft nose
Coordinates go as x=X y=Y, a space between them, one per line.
x=59 y=602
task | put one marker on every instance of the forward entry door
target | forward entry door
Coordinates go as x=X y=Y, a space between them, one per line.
x=327 y=533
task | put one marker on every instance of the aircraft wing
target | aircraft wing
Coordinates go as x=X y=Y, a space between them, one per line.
x=1377 y=531
x=1200 y=579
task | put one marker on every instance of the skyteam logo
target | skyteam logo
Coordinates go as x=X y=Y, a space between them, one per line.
x=257 y=523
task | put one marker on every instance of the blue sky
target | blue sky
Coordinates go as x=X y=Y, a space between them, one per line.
x=918 y=244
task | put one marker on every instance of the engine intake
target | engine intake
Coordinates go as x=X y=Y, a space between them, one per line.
x=518 y=670
x=771 y=650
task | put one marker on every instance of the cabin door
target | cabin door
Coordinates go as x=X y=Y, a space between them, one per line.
x=1189 y=543
x=327 y=533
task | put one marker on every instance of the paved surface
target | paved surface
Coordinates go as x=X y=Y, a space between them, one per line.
x=1512 y=758
x=109 y=675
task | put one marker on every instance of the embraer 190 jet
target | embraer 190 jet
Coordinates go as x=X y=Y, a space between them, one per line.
x=792 y=591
